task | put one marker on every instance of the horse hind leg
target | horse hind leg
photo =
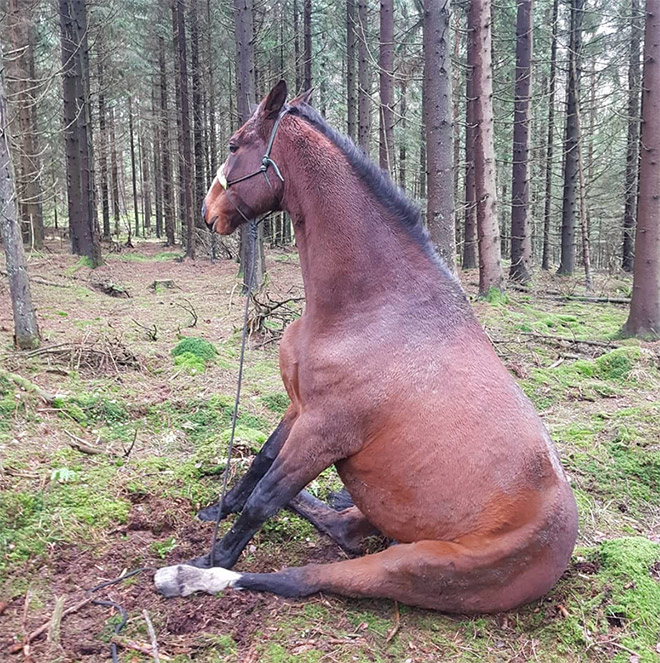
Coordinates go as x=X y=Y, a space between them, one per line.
x=429 y=574
x=347 y=527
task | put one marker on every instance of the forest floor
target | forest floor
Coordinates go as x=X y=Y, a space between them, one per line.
x=103 y=469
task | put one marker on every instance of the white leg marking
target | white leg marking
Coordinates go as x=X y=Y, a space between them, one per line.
x=182 y=580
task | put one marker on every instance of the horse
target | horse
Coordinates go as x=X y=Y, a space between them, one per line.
x=392 y=380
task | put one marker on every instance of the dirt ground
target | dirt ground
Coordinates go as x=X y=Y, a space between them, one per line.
x=112 y=384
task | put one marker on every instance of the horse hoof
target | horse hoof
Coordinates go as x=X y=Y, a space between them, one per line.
x=183 y=580
x=209 y=514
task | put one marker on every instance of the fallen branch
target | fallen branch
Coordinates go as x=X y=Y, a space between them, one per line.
x=152 y=636
x=56 y=620
x=26 y=385
x=397 y=622
x=143 y=648
x=576 y=341
x=82 y=446
x=14 y=649
x=189 y=308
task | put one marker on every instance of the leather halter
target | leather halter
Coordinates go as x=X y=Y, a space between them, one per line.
x=266 y=162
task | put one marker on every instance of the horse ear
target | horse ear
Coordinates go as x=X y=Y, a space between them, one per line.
x=304 y=98
x=272 y=104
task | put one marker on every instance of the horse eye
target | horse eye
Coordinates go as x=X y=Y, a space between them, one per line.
x=233 y=148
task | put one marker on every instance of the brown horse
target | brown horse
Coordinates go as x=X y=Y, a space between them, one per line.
x=392 y=380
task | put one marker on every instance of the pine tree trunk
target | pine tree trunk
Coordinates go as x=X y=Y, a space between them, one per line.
x=644 y=318
x=403 y=94
x=307 y=44
x=184 y=110
x=103 y=149
x=632 y=148
x=296 y=43
x=545 y=260
x=386 y=115
x=213 y=140
x=198 y=117
x=146 y=181
x=438 y=121
x=26 y=329
x=245 y=86
x=470 y=228
x=131 y=133
x=569 y=204
x=114 y=175
x=480 y=59
x=77 y=127
x=521 y=241
x=166 y=161
x=364 y=84
x=351 y=82
x=157 y=168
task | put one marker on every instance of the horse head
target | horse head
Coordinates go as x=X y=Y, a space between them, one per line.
x=249 y=183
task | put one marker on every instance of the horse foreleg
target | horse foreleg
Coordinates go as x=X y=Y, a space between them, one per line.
x=309 y=449
x=430 y=574
x=347 y=527
x=238 y=495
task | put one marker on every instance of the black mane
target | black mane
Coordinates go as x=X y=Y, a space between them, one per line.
x=381 y=186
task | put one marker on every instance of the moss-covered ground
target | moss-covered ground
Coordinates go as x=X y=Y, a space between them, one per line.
x=71 y=519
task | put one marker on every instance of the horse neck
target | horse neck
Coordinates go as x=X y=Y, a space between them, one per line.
x=353 y=253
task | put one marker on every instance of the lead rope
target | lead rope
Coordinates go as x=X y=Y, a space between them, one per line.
x=253 y=250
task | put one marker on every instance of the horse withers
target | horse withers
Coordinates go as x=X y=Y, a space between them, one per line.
x=392 y=381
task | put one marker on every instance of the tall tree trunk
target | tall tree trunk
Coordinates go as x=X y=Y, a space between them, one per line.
x=114 y=174
x=521 y=241
x=567 y=260
x=480 y=59
x=166 y=161
x=403 y=93
x=470 y=228
x=632 y=148
x=146 y=180
x=157 y=168
x=438 y=121
x=644 y=318
x=198 y=117
x=26 y=329
x=422 y=157
x=213 y=140
x=22 y=90
x=351 y=82
x=364 y=83
x=103 y=148
x=307 y=44
x=186 y=162
x=386 y=115
x=77 y=127
x=245 y=86
x=545 y=261
x=296 y=44
x=131 y=133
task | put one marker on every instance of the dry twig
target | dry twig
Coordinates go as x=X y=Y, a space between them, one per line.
x=152 y=636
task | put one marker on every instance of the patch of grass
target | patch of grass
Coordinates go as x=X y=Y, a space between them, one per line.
x=164 y=548
x=278 y=402
x=92 y=409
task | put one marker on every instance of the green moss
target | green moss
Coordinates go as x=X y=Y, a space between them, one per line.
x=190 y=363
x=193 y=354
x=617 y=364
x=97 y=409
x=496 y=297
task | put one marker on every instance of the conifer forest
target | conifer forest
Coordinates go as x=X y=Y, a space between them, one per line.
x=525 y=136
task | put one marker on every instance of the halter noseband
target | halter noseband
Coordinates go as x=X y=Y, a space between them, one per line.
x=266 y=161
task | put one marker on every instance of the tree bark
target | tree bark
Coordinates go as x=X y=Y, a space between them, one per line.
x=470 y=229
x=186 y=162
x=351 y=82
x=114 y=174
x=386 y=115
x=521 y=241
x=131 y=134
x=307 y=44
x=157 y=168
x=198 y=117
x=545 y=260
x=245 y=86
x=77 y=128
x=644 y=318
x=166 y=161
x=480 y=59
x=569 y=204
x=22 y=87
x=364 y=83
x=26 y=329
x=438 y=121
x=632 y=147
x=213 y=140
x=403 y=93
x=103 y=148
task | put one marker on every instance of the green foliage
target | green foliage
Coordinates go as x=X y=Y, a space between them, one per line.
x=496 y=297
x=276 y=402
x=617 y=364
x=164 y=548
